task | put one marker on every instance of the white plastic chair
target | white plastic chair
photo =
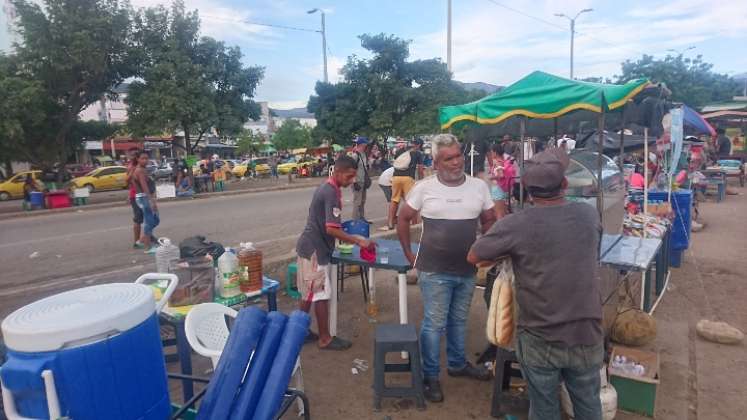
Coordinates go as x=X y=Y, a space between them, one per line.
x=207 y=333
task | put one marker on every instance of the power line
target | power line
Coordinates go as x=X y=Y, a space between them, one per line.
x=269 y=25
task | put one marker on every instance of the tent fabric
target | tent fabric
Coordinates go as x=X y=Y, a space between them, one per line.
x=541 y=95
x=695 y=121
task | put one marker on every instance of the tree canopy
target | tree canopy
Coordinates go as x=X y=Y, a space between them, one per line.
x=292 y=135
x=186 y=81
x=71 y=53
x=385 y=94
x=691 y=80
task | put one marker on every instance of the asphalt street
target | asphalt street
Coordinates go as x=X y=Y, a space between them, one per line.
x=47 y=254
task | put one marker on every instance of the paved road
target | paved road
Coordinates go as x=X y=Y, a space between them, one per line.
x=84 y=247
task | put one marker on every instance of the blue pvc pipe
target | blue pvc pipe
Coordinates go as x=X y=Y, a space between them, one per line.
x=259 y=367
x=282 y=366
x=226 y=380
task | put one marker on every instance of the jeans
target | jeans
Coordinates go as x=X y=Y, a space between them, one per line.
x=150 y=218
x=359 y=204
x=545 y=364
x=446 y=301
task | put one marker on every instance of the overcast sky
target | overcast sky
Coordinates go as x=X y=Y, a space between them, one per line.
x=494 y=41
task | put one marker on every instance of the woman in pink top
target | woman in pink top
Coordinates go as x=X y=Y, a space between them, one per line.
x=501 y=175
x=636 y=179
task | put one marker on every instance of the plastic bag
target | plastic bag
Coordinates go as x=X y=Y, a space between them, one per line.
x=501 y=325
x=198 y=246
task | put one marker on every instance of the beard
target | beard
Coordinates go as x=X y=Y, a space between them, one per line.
x=452 y=176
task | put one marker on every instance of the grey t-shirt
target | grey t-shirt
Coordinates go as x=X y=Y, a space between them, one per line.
x=325 y=210
x=450 y=217
x=555 y=257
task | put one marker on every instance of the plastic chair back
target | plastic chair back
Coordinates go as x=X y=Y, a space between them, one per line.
x=206 y=329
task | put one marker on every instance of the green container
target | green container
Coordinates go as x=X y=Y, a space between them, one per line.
x=636 y=394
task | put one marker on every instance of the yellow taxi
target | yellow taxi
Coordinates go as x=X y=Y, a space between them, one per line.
x=292 y=166
x=260 y=167
x=106 y=178
x=13 y=187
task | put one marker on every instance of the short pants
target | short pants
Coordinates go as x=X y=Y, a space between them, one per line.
x=387 y=192
x=137 y=214
x=313 y=278
x=401 y=185
x=497 y=193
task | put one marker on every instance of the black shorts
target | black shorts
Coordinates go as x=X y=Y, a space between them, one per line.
x=137 y=214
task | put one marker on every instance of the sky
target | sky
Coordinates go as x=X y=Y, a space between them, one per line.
x=494 y=41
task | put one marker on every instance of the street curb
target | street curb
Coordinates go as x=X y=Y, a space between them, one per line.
x=120 y=203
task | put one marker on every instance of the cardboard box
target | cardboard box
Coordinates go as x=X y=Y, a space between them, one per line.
x=636 y=394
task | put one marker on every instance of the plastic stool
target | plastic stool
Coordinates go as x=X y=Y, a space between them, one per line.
x=290 y=282
x=391 y=338
x=502 y=378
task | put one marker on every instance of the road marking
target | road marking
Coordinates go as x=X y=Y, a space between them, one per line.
x=69 y=235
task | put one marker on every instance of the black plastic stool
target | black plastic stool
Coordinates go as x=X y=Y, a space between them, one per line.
x=391 y=338
x=503 y=373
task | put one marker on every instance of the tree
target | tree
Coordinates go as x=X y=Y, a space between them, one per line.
x=248 y=142
x=71 y=53
x=386 y=94
x=292 y=135
x=692 y=81
x=188 y=82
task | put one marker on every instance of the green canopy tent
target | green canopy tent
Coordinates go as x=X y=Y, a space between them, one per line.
x=543 y=96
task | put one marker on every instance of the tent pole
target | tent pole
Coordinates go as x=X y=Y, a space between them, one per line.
x=621 y=156
x=522 y=129
x=600 y=162
x=645 y=170
x=555 y=130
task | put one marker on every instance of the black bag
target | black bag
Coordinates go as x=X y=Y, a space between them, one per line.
x=198 y=246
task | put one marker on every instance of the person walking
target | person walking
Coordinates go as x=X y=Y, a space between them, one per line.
x=407 y=165
x=385 y=183
x=450 y=204
x=145 y=198
x=362 y=179
x=315 y=247
x=554 y=247
x=137 y=214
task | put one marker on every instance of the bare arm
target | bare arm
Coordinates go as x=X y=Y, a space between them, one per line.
x=340 y=234
x=487 y=218
x=404 y=220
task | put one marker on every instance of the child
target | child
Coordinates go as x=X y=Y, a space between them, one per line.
x=219 y=175
x=315 y=247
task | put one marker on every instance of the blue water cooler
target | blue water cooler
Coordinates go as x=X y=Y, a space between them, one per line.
x=87 y=354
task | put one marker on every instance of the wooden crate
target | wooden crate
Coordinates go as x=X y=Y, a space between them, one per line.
x=636 y=394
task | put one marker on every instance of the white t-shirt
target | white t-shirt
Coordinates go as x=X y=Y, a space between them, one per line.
x=385 y=179
x=450 y=216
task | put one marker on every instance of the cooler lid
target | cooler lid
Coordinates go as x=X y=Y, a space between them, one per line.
x=78 y=317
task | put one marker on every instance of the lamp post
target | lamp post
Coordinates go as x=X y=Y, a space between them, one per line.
x=573 y=30
x=681 y=52
x=448 y=38
x=324 y=41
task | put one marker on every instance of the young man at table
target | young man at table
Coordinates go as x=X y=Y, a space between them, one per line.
x=450 y=204
x=554 y=247
x=315 y=247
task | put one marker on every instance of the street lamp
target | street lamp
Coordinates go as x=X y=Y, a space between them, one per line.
x=324 y=41
x=681 y=52
x=573 y=30
x=448 y=38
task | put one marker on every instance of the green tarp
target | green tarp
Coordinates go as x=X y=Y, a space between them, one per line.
x=541 y=95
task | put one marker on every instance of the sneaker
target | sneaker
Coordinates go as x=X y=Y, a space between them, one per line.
x=138 y=245
x=151 y=250
x=480 y=373
x=386 y=228
x=432 y=390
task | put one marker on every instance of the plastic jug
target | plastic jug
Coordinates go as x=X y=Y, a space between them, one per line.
x=250 y=268
x=167 y=254
x=228 y=274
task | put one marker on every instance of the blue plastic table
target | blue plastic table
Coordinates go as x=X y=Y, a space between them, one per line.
x=184 y=351
x=397 y=262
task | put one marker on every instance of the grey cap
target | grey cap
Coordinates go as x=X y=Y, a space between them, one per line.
x=546 y=169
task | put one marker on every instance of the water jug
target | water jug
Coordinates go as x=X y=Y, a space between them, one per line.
x=228 y=274
x=167 y=254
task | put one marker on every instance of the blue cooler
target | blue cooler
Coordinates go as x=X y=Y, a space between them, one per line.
x=356 y=227
x=37 y=199
x=87 y=354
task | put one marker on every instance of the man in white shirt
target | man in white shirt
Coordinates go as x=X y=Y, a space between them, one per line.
x=385 y=183
x=450 y=204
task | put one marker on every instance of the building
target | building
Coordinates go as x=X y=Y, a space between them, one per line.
x=8 y=34
x=108 y=110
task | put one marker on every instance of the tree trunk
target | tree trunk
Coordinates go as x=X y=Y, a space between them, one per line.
x=188 y=148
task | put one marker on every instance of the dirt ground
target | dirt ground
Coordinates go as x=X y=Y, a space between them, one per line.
x=699 y=380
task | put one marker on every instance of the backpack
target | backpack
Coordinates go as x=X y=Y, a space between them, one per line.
x=402 y=163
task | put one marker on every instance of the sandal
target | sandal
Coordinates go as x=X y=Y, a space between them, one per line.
x=337 y=344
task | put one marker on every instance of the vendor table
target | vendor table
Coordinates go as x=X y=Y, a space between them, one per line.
x=175 y=317
x=397 y=262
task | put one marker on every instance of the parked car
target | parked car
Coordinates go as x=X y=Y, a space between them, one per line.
x=293 y=166
x=13 y=187
x=164 y=171
x=77 y=169
x=107 y=178
x=261 y=167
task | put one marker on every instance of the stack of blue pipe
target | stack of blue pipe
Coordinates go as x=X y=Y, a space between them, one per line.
x=255 y=368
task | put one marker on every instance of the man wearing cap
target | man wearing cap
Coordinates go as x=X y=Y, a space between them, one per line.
x=554 y=248
x=362 y=179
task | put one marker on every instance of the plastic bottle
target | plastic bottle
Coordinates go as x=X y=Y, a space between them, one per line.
x=250 y=268
x=228 y=274
x=167 y=254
